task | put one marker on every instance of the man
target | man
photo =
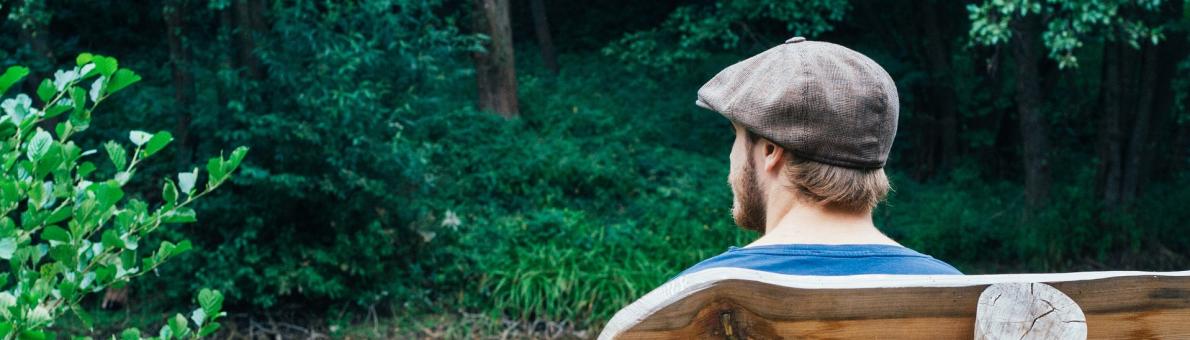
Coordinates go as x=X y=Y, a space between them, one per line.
x=814 y=123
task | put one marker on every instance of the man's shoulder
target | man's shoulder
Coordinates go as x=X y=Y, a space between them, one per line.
x=828 y=260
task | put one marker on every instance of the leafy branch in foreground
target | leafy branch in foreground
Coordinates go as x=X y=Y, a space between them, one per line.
x=65 y=231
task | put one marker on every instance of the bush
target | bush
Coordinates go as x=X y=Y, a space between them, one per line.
x=66 y=228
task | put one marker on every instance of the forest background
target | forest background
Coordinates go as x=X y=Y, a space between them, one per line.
x=447 y=168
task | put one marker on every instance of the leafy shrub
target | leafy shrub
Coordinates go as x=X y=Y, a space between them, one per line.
x=326 y=216
x=66 y=228
x=581 y=206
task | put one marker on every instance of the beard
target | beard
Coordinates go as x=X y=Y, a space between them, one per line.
x=749 y=210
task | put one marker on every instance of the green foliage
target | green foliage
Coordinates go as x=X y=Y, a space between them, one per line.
x=692 y=32
x=379 y=185
x=982 y=227
x=1068 y=23
x=205 y=321
x=67 y=232
x=327 y=215
x=579 y=206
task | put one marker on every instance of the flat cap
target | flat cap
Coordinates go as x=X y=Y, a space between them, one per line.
x=819 y=100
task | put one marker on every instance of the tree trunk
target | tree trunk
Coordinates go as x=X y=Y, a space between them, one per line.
x=1027 y=50
x=1109 y=149
x=247 y=22
x=495 y=69
x=223 y=87
x=174 y=11
x=31 y=18
x=541 y=25
x=942 y=87
x=1156 y=161
x=1138 y=143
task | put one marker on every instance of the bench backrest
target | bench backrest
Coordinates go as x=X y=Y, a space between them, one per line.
x=739 y=303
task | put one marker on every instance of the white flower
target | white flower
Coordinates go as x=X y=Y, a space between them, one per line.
x=63 y=78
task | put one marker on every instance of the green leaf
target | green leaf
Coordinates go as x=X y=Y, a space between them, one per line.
x=55 y=233
x=59 y=216
x=7 y=129
x=7 y=246
x=181 y=215
x=31 y=335
x=39 y=145
x=86 y=168
x=117 y=154
x=67 y=289
x=170 y=193
x=107 y=194
x=105 y=65
x=48 y=162
x=164 y=333
x=64 y=254
x=111 y=240
x=215 y=171
x=130 y=334
x=56 y=110
x=104 y=274
x=179 y=325
x=9 y=193
x=211 y=301
x=236 y=157
x=182 y=247
x=85 y=317
x=208 y=329
x=46 y=90
x=122 y=79
x=11 y=76
x=81 y=120
x=83 y=59
x=158 y=142
x=78 y=97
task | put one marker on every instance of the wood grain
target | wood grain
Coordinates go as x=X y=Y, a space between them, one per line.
x=760 y=306
x=1028 y=311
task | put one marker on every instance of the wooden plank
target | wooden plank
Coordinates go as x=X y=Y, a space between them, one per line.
x=763 y=305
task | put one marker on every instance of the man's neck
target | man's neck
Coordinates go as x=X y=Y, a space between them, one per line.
x=791 y=222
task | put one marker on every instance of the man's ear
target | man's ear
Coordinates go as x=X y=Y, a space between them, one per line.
x=774 y=155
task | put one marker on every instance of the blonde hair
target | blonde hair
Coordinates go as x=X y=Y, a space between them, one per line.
x=834 y=187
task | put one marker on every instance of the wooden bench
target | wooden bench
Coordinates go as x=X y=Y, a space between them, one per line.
x=731 y=303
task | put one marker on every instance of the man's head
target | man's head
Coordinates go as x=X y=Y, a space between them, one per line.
x=759 y=167
x=812 y=119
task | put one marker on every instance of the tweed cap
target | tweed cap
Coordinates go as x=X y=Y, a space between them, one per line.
x=820 y=101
